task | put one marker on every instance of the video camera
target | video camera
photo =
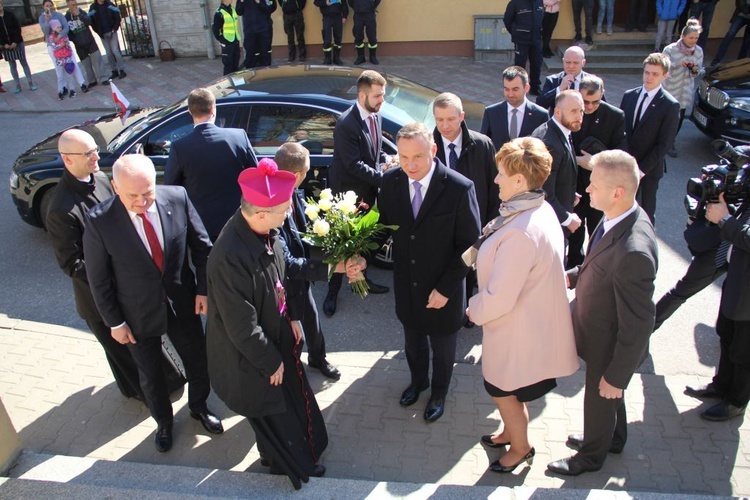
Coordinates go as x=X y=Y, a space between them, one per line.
x=731 y=177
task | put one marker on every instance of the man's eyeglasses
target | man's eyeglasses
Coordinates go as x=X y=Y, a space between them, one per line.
x=87 y=154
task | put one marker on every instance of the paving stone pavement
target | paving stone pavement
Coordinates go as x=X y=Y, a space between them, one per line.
x=58 y=389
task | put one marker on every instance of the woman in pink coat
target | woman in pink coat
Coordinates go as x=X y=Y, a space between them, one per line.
x=522 y=304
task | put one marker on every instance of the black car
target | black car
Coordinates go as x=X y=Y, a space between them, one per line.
x=722 y=102
x=274 y=105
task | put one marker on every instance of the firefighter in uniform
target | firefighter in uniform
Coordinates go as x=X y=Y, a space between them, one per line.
x=258 y=28
x=334 y=13
x=226 y=30
x=294 y=22
x=365 y=22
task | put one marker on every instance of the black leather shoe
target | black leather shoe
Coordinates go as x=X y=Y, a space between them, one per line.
x=318 y=471
x=575 y=441
x=722 y=411
x=411 y=394
x=570 y=467
x=210 y=421
x=703 y=391
x=329 y=304
x=327 y=369
x=435 y=409
x=498 y=467
x=163 y=438
x=489 y=443
x=375 y=288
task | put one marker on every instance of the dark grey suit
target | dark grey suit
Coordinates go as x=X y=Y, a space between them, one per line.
x=495 y=122
x=613 y=317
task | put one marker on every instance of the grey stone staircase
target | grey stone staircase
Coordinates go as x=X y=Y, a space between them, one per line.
x=40 y=476
x=619 y=53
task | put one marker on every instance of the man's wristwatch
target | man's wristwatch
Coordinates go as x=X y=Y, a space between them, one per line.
x=723 y=220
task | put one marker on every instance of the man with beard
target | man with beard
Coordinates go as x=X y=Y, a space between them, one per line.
x=516 y=116
x=561 y=184
x=357 y=159
x=253 y=346
x=603 y=129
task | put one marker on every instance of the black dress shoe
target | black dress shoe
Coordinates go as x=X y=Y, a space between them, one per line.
x=163 y=438
x=498 y=467
x=329 y=304
x=570 y=467
x=327 y=369
x=703 y=391
x=575 y=441
x=411 y=394
x=318 y=471
x=489 y=443
x=375 y=288
x=435 y=409
x=210 y=421
x=722 y=411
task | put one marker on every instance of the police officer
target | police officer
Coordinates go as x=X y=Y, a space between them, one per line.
x=523 y=20
x=226 y=30
x=258 y=28
x=334 y=13
x=365 y=22
x=294 y=22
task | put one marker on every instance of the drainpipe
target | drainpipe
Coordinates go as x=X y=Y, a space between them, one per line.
x=211 y=51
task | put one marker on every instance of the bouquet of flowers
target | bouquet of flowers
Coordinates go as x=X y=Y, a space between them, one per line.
x=342 y=231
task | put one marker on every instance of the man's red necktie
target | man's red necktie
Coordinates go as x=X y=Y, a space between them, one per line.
x=153 y=242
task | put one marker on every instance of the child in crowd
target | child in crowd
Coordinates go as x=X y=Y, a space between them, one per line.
x=64 y=58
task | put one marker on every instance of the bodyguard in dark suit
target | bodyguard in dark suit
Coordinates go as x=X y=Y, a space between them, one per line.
x=651 y=119
x=613 y=314
x=732 y=380
x=523 y=20
x=561 y=184
x=574 y=60
x=497 y=120
x=606 y=124
x=207 y=162
x=357 y=158
x=139 y=247
x=82 y=186
x=438 y=218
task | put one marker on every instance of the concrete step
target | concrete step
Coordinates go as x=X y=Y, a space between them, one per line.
x=36 y=476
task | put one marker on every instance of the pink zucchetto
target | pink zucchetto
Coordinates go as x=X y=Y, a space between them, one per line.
x=266 y=186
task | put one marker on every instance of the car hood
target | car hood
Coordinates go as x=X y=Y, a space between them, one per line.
x=731 y=76
x=103 y=129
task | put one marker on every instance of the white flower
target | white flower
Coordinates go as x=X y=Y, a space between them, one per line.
x=311 y=211
x=321 y=227
x=350 y=197
x=326 y=194
x=345 y=207
x=325 y=204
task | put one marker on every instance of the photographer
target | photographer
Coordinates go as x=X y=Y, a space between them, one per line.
x=732 y=380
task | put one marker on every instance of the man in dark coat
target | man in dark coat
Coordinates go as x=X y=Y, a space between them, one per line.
x=365 y=22
x=357 y=159
x=253 y=346
x=498 y=122
x=82 y=186
x=652 y=116
x=294 y=23
x=731 y=384
x=207 y=162
x=105 y=19
x=141 y=247
x=294 y=157
x=257 y=27
x=523 y=20
x=606 y=124
x=574 y=59
x=437 y=215
x=472 y=155
x=561 y=184
x=613 y=315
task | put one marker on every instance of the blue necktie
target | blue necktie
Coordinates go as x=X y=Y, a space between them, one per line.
x=416 y=201
x=596 y=236
x=452 y=157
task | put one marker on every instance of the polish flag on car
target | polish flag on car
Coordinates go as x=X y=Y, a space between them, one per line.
x=120 y=100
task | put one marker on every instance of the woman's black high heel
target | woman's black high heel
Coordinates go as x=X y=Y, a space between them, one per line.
x=497 y=467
